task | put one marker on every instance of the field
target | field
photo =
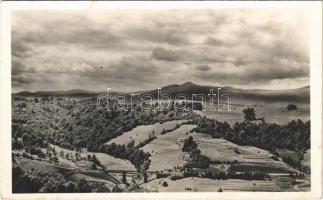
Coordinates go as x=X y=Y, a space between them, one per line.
x=76 y=177
x=109 y=162
x=142 y=133
x=223 y=150
x=272 y=112
x=270 y=168
x=42 y=166
x=195 y=184
x=166 y=152
x=92 y=176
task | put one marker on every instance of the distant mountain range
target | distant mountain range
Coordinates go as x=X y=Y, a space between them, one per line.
x=75 y=92
x=189 y=88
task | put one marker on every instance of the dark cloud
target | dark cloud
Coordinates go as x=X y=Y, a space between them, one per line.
x=240 y=61
x=18 y=81
x=17 y=68
x=217 y=42
x=156 y=35
x=198 y=55
x=20 y=49
x=60 y=34
x=145 y=49
x=265 y=74
x=203 y=68
x=169 y=55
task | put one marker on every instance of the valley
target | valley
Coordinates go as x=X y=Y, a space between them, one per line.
x=67 y=141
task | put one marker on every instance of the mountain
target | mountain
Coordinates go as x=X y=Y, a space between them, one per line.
x=189 y=88
x=75 y=92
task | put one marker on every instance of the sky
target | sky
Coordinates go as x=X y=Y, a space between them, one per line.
x=145 y=49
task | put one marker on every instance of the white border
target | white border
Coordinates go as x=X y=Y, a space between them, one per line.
x=315 y=79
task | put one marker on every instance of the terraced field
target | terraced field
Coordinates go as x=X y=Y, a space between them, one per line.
x=167 y=153
x=250 y=157
x=223 y=150
x=195 y=184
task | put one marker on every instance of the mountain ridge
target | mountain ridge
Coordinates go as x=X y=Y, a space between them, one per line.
x=188 y=88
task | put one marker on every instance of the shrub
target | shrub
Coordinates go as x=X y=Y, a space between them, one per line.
x=176 y=177
x=249 y=114
x=189 y=144
x=165 y=184
x=291 y=107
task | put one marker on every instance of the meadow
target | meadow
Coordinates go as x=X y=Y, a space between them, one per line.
x=166 y=152
x=143 y=132
x=194 y=184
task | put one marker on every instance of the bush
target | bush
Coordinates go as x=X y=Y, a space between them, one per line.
x=176 y=177
x=189 y=144
x=291 y=107
x=93 y=167
x=165 y=184
x=292 y=161
x=25 y=155
x=249 y=114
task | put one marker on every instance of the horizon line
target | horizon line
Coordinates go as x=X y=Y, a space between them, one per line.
x=187 y=82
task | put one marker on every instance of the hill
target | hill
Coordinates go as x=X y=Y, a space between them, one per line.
x=189 y=88
x=68 y=93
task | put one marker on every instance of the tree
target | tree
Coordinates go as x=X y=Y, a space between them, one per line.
x=116 y=188
x=165 y=184
x=163 y=132
x=17 y=144
x=83 y=186
x=95 y=160
x=189 y=144
x=145 y=177
x=71 y=187
x=93 y=167
x=291 y=107
x=197 y=160
x=124 y=178
x=25 y=137
x=55 y=159
x=62 y=153
x=249 y=114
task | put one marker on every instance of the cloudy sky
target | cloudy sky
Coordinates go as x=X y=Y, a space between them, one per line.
x=140 y=50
